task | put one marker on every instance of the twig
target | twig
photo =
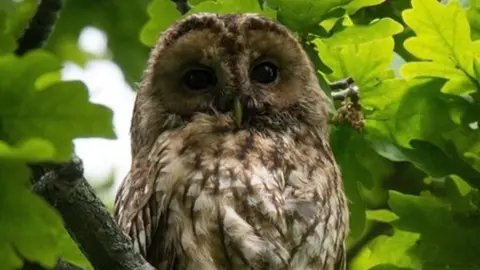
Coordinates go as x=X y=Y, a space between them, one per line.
x=350 y=111
x=40 y=27
x=182 y=6
x=348 y=90
x=88 y=220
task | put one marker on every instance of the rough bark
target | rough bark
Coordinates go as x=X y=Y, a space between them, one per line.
x=88 y=220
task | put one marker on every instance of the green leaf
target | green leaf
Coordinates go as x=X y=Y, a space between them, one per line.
x=7 y=42
x=58 y=113
x=424 y=128
x=460 y=194
x=380 y=109
x=162 y=14
x=358 y=172
x=7 y=6
x=456 y=249
x=124 y=47
x=422 y=115
x=382 y=215
x=19 y=74
x=446 y=161
x=473 y=15
x=389 y=252
x=19 y=15
x=70 y=252
x=368 y=63
x=29 y=227
x=300 y=15
x=196 y=2
x=458 y=83
x=356 y=34
x=443 y=37
x=355 y=5
x=443 y=33
x=233 y=6
x=30 y=150
x=206 y=6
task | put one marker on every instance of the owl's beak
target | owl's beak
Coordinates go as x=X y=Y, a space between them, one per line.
x=237 y=111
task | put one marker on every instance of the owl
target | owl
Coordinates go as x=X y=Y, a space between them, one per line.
x=231 y=162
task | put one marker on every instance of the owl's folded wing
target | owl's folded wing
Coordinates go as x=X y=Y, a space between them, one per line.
x=137 y=213
x=341 y=263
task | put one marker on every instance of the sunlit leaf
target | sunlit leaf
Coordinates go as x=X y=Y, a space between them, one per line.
x=304 y=14
x=29 y=227
x=443 y=37
x=388 y=251
x=431 y=218
x=356 y=34
x=59 y=113
x=162 y=14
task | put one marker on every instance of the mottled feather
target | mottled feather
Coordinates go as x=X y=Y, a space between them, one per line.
x=205 y=193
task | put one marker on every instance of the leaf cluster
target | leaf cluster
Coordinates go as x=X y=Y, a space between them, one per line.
x=40 y=115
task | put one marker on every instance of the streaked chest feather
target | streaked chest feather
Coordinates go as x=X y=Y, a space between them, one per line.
x=249 y=201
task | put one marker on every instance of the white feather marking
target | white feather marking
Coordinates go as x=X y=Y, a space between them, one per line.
x=260 y=176
x=142 y=239
x=194 y=190
x=204 y=202
x=297 y=178
x=242 y=233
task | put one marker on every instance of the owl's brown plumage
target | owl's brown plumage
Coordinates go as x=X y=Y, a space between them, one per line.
x=231 y=164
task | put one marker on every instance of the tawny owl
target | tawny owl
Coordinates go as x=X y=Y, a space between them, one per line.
x=231 y=163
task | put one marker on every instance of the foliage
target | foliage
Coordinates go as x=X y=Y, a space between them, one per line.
x=39 y=117
x=412 y=176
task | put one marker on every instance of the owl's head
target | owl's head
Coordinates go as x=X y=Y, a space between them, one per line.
x=243 y=70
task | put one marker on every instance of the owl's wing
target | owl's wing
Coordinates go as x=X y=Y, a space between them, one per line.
x=341 y=263
x=137 y=211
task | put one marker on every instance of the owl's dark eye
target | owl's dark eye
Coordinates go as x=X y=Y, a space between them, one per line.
x=264 y=73
x=199 y=79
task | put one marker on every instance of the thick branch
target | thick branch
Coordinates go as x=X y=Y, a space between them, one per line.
x=88 y=220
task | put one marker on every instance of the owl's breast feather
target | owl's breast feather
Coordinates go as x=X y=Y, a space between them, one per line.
x=248 y=199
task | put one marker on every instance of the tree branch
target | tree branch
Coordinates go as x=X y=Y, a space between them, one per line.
x=40 y=26
x=182 y=6
x=346 y=88
x=350 y=111
x=88 y=220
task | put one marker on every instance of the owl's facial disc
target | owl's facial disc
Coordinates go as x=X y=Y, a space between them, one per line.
x=247 y=69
